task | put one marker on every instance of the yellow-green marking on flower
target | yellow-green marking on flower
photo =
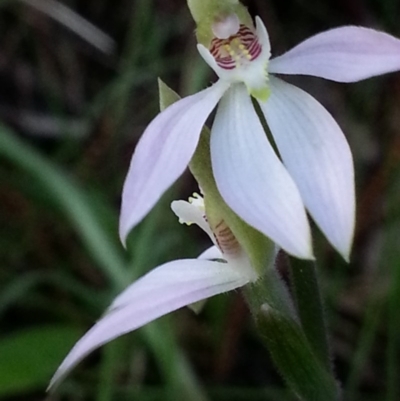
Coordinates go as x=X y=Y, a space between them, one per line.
x=208 y=12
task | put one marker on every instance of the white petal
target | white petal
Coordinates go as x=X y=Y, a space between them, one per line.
x=211 y=253
x=239 y=262
x=263 y=36
x=210 y=60
x=346 y=54
x=189 y=213
x=252 y=179
x=317 y=156
x=163 y=290
x=163 y=153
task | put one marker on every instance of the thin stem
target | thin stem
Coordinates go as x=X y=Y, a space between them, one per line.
x=304 y=280
x=283 y=335
x=271 y=290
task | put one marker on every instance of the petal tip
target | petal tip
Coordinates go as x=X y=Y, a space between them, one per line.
x=123 y=241
x=344 y=247
x=123 y=234
x=55 y=381
x=345 y=253
x=306 y=251
x=303 y=250
x=308 y=255
x=262 y=34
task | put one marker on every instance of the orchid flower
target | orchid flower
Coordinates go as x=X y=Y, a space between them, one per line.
x=315 y=169
x=221 y=268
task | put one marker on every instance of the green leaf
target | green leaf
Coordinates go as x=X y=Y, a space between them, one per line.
x=72 y=200
x=30 y=357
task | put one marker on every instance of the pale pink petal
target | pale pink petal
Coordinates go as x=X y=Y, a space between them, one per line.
x=251 y=178
x=163 y=290
x=345 y=54
x=210 y=60
x=318 y=158
x=163 y=153
x=209 y=254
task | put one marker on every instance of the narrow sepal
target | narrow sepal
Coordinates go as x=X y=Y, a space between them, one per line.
x=346 y=54
x=251 y=178
x=163 y=290
x=318 y=157
x=163 y=153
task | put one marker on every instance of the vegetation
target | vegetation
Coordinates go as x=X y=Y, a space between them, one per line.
x=74 y=99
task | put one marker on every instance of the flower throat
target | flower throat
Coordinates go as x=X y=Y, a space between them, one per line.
x=240 y=48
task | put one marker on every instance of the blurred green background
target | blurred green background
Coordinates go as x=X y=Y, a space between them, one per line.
x=77 y=88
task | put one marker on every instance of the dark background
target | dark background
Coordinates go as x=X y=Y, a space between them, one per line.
x=74 y=100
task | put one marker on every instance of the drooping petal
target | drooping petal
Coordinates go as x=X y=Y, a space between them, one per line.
x=251 y=178
x=345 y=54
x=210 y=254
x=163 y=290
x=318 y=158
x=163 y=153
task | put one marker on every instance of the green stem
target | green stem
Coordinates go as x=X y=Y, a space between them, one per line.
x=290 y=349
x=270 y=290
x=304 y=280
